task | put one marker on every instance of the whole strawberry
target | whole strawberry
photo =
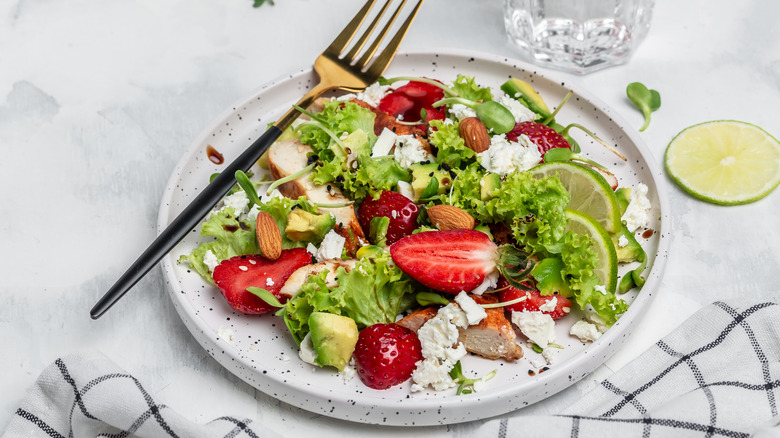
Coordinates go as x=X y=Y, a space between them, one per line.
x=386 y=355
x=401 y=211
x=534 y=301
x=544 y=137
x=233 y=276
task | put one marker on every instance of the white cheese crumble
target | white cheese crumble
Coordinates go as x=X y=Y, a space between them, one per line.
x=536 y=362
x=409 y=150
x=600 y=289
x=474 y=312
x=210 y=260
x=537 y=326
x=490 y=282
x=347 y=374
x=549 y=306
x=460 y=111
x=238 y=201
x=331 y=247
x=622 y=241
x=518 y=110
x=438 y=338
x=586 y=331
x=226 y=334
x=637 y=212
x=549 y=354
x=384 y=143
x=307 y=353
x=269 y=281
x=373 y=94
x=405 y=189
x=504 y=157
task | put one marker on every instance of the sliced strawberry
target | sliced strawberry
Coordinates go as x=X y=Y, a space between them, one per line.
x=396 y=103
x=420 y=95
x=401 y=211
x=447 y=261
x=386 y=355
x=235 y=275
x=533 y=301
x=544 y=137
x=424 y=94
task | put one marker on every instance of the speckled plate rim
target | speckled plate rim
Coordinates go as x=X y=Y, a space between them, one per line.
x=425 y=411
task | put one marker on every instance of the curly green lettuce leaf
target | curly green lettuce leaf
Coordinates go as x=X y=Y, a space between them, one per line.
x=339 y=117
x=468 y=89
x=452 y=149
x=233 y=237
x=370 y=293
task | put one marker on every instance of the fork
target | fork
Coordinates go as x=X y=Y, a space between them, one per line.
x=352 y=71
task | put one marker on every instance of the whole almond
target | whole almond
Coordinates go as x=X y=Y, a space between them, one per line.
x=447 y=217
x=474 y=134
x=269 y=239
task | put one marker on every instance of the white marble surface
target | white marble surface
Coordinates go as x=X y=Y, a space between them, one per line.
x=99 y=99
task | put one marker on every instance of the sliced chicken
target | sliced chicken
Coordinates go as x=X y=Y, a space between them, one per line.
x=492 y=338
x=296 y=280
x=288 y=157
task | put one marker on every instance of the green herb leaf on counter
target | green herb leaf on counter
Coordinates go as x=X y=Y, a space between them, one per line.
x=645 y=99
x=259 y=3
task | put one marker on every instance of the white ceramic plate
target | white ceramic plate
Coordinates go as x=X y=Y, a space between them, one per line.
x=260 y=351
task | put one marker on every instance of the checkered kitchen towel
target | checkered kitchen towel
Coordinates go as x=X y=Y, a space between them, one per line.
x=716 y=375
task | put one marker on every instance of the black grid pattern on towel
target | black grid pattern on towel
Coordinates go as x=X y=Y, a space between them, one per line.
x=154 y=413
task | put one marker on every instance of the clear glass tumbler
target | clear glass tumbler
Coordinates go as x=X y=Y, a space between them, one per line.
x=578 y=36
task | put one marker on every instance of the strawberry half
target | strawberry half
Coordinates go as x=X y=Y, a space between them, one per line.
x=534 y=300
x=447 y=261
x=544 y=137
x=386 y=355
x=408 y=100
x=401 y=211
x=233 y=276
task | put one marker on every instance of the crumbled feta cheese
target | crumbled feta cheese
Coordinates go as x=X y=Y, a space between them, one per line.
x=521 y=113
x=226 y=334
x=275 y=193
x=238 y=201
x=448 y=121
x=537 y=326
x=549 y=354
x=312 y=249
x=438 y=337
x=474 y=312
x=461 y=111
x=536 y=362
x=409 y=150
x=384 y=143
x=307 y=353
x=331 y=247
x=600 y=288
x=210 y=260
x=622 y=241
x=405 y=189
x=549 y=306
x=373 y=94
x=490 y=282
x=637 y=212
x=504 y=157
x=269 y=281
x=347 y=374
x=586 y=331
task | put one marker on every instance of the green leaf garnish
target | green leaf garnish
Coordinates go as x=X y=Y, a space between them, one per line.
x=264 y=295
x=249 y=188
x=466 y=385
x=645 y=99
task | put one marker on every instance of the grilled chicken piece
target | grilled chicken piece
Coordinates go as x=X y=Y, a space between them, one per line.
x=296 y=280
x=290 y=156
x=492 y=338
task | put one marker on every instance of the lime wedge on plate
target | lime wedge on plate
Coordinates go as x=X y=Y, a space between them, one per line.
x=581 y=223
x=589 y=192
x=724 y=162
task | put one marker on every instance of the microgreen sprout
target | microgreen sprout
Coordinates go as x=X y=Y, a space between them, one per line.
x=594 y=136
x=447 y=90
x=429 y=299
x=266 y=296
x=467 y=386
x=495 y=116
x=551 y=117
x=563 y=154
x=504 y=303
x=288 y=178
x=645 y=99
x=249 y=188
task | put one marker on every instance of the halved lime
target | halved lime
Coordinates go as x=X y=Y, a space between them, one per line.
x=590 y=192
x=607 y=271
x=724 y=162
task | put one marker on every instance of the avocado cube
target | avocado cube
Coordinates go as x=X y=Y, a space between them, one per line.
x=488 y=185
x=334 y=338
x=525 y=93
x=303 y=226
x=421 y=178
x=631 y=251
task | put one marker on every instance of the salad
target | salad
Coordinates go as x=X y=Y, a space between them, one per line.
x=408 y=225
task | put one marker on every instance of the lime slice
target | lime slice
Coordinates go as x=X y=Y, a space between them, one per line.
x=724 y=162
x=581 y=223
x=590 y=193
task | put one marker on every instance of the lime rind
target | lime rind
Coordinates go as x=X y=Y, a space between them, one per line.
x=591 y=194
x=701 y=161
x=607 y=271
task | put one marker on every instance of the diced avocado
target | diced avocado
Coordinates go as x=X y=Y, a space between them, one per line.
x=378 y=230
x=623 y=196
x=422 y=175
x=369 y=251
x=303 y=226
x=488 y=185
x=524 y=92
x=631 y=250
x=334 y=338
